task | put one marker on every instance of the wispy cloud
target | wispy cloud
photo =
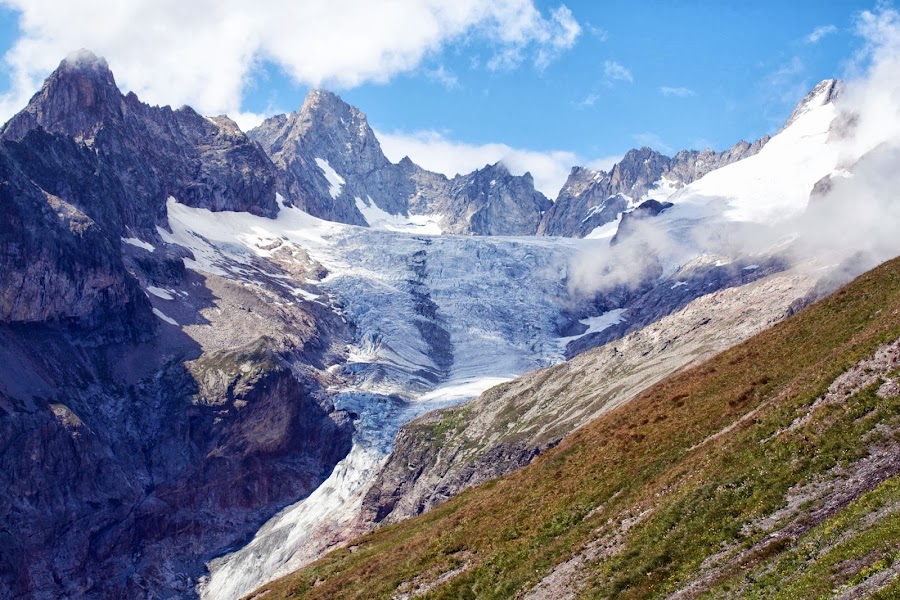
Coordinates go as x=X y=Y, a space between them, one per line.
x=782 y=88
x=589 y=101
x=613 y=71
x=526 y=29
x=652 y=140
x=443 y=77
x=678 y=92
x=597 y=32
x=820 y=32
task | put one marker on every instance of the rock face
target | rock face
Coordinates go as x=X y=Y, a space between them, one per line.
x=155 y=152
x=59 y=246
x=332 y=163
x=590 y=199
x=133 y=449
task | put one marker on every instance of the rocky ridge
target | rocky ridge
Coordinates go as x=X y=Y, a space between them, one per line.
x=591 y=199
x=154 y=152
x=332 y=167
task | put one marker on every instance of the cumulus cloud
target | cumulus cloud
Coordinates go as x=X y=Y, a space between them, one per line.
x=853 y=217
x=820 y=32
x=861 y=214
x=613 y=71
x=678 y=92
x=205 y=52
x=434 y=151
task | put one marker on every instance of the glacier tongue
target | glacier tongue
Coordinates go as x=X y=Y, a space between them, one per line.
x=438 y=320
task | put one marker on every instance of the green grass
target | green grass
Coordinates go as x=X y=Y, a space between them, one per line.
x=649 y=457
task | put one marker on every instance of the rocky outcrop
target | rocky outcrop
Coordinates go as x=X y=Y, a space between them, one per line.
x=146 y=468
x=825 y=92
x=630 y=220
x=591 y=199
x=156 y=152
x=59 y=257
x=490 y=201
x=331 y=162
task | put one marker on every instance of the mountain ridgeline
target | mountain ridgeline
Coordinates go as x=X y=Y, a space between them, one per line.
x=489 y=201
x=326 y=160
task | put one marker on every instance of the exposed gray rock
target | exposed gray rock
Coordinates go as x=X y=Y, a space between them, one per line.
x=155 y=152
x=590 y=199
x=328 y=134
x=122 y=470
x=825 y=92
x=491 y=201
x=59 y=257
x=646 y=210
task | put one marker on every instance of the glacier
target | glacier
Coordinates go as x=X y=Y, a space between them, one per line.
x=438 y=320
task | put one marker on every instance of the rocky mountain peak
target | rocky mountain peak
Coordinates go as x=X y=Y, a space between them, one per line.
x=324 y=113
x=826 y=91
x=85 y=60
x=75 y=100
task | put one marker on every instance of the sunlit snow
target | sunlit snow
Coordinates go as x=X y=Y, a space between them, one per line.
x=335 y=181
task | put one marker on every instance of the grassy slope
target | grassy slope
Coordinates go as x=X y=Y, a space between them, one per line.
x=646 y=462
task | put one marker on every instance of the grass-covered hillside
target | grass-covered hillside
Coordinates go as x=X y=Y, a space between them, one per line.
x=768 y=471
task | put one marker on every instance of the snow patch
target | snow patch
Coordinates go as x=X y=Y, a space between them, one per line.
x=663 y=188
x=770 y=186
x=165 y=317
x=139 y=243
x=605 y=232
x=380 y=219
x=160 y=292
x=458 y=392
x=595 y=325
x=335 y=180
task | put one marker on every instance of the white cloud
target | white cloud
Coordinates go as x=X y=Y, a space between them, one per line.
x=434 y=151
x=678 y=92
x=613 y=71
x=204 y=52
x=564 y=31
x=819 y=32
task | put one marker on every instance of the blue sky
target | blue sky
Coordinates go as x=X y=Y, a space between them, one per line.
x=582 y=81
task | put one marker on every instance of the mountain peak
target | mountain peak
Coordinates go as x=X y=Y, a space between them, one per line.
x=825 y=92
x=321 y=103
x=84 y=59
x=74 y=100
